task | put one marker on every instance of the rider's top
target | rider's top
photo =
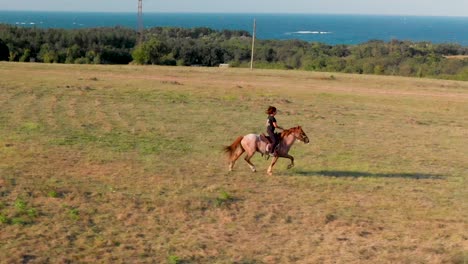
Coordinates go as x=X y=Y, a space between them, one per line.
x=271 y=119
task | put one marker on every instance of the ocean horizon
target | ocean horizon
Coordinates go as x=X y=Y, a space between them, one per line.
x=326 y=28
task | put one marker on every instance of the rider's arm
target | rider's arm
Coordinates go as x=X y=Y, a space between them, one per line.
x=276 y=126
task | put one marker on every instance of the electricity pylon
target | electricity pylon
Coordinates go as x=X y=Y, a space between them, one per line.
x=140 y=20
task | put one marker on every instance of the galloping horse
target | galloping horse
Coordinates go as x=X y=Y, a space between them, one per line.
x=252 y=143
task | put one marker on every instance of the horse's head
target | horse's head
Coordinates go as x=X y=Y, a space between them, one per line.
x=301 y=135
x=298 y=134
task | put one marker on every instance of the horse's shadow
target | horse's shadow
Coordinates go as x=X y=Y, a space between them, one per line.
x=360 y=174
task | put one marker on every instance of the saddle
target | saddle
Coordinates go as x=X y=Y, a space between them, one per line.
x=267 y=140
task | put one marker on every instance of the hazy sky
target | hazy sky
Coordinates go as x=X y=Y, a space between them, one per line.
x=386 y=7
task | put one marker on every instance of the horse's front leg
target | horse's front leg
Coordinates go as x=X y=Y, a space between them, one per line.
x=270 y=168
x=292 y=161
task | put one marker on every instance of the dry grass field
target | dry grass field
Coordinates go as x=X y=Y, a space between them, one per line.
x=124 y=164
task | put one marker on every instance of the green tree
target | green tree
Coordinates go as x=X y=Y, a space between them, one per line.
x=74 y=52
x=452 y=67
x=26 y=56
x=12 y=55
x=378 y=69
x=47 y=54
x=150 y=52
x=4 y=51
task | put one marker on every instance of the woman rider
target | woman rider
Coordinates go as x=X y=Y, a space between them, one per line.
x=271 y=125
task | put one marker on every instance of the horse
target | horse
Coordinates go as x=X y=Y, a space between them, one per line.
x=252 y=143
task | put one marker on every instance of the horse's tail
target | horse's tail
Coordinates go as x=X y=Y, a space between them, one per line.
x=233 y=147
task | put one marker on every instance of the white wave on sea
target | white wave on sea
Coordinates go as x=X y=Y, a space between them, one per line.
x=27 y=23
x=311 y=32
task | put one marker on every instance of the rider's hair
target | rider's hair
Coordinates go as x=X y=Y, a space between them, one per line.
x=271 y=110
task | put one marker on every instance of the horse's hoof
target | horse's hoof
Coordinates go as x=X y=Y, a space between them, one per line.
x=290 y=166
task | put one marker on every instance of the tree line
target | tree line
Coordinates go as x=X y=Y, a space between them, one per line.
x=208 y=47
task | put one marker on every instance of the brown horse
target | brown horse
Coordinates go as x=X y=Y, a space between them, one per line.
x=252 y=143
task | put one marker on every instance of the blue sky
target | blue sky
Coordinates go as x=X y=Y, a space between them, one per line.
x=385 y=7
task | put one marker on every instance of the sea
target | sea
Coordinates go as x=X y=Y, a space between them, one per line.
x=325 y=28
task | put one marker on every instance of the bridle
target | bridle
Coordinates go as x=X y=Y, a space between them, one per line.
x=301 y=136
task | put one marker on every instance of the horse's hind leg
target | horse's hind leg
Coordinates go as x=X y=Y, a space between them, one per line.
x=234 y=158
x=247 y=159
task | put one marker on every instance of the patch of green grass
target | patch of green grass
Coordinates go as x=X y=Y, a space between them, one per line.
x=114 y=140
x=30 y=127
x=224 y=199
x=4 y=219
x=20 y=205
x=18 y=214
x=74 y=214
x=20 y=220
x=173 y=97
x=158 y=145
x=176 y=97
x=123 y=142
x=32 y=212
x=53 y=194
x=230 y=98
x=173 y=259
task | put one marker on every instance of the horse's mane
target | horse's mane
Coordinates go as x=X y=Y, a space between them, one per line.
x=289 y=131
